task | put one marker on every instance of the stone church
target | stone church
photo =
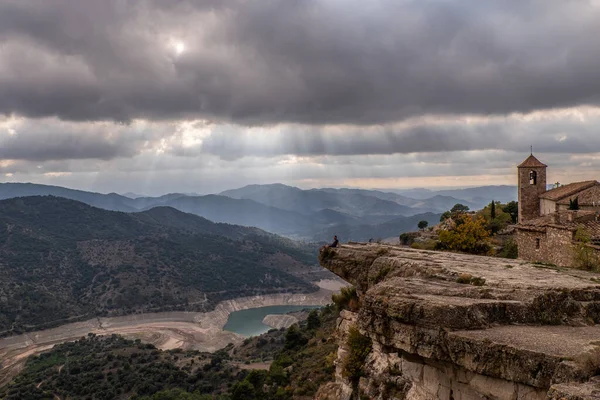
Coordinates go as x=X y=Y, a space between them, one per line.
x=549 y=219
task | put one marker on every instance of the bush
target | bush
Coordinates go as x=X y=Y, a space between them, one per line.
x=510 y=249
x=469 y=236
x=359 y=348
x=427 y=245
x=407 y=238
x=470 y=280
x=326 y=254
x=584 y=256
x=346 y=299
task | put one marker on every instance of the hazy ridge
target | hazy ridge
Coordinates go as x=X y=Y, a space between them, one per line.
x=309 y=215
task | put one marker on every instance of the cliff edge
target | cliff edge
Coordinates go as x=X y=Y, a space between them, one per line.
x=454 y=326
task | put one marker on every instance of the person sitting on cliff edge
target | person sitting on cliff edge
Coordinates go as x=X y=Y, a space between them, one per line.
x=335 y=242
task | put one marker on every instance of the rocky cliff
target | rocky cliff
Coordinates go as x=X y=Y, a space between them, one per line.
x=453 y=326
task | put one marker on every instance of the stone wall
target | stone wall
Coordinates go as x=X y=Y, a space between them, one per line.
x=516 y=332
x=529 y=195
x=547 y=206
x=555 y=245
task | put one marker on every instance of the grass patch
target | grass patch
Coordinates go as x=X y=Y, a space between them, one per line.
x=469 y=279
x=427 y=245
x=382 y=274
x=544 y=265
x=326 y=254
x=384 y=251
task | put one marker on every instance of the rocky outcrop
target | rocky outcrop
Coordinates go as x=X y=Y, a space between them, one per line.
x=453 y=326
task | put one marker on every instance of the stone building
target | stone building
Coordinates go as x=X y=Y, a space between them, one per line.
x=547 y=227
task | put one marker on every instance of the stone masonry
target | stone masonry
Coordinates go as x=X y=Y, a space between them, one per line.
x=530 y=190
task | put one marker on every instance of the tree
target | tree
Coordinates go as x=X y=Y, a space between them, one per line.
x=494 y=216
x=445 y=216
x=512 y=208
x=257 y=379
x=459 y=208
x=423 y=224
x=313 y=321
x=294 y=338
x=574 y=203
x=243 y=390
x=469 y=236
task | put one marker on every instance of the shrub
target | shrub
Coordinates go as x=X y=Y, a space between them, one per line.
x=383 y=252
x=407 y=238
x=426 y=245
x=470 y=280
x=359 y=348
x=584 y=256
x=326 y=254
x=346 y=299
x=469 y=236
x=381 y=274
x=464 y=278
x=510 y=249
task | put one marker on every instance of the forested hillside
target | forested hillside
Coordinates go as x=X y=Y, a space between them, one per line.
x=62 y=260
x=280 y=209
x=111 y=367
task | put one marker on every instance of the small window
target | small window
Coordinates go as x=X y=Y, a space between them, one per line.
x=532 y=177
x=537 y=243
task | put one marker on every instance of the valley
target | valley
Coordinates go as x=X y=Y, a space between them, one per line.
x=167 y=330
x=63 y=261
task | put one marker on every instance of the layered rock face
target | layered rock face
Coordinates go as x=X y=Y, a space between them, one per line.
x=453 y=326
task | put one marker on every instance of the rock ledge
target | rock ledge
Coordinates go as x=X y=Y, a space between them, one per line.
x=454 y=326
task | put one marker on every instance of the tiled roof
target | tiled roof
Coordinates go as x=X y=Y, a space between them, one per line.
x=570 y=189
x=582 y=219
x=530 y=162
x=592 y=228
x=587 y=197
x=544 y=220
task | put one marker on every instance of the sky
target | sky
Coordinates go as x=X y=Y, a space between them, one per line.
x=199 y=96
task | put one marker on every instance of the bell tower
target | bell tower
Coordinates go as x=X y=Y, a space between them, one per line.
x=532 y=183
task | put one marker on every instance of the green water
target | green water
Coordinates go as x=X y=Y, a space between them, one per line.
x=249 y=322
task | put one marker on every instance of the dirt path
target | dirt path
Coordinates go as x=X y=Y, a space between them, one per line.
x=168 y=330
x=263 y=365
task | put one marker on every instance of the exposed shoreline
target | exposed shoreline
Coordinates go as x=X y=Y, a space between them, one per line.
x=166 y=330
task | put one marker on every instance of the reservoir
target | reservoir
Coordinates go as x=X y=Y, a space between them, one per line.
x=249 y=322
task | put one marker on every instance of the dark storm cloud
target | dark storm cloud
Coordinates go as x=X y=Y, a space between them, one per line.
x=52 y=139
x=566 y=131
x=311 y=62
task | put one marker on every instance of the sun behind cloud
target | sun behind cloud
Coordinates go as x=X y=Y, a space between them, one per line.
x=177 y=47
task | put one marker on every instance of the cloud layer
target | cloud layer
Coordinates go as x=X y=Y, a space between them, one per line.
x=204 y=95
x=310 y=62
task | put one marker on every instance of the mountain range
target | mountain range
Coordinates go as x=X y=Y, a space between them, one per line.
x=309 y=215
x=62 y=260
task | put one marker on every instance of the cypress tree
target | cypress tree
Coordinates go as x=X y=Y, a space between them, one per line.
x=493 y=210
